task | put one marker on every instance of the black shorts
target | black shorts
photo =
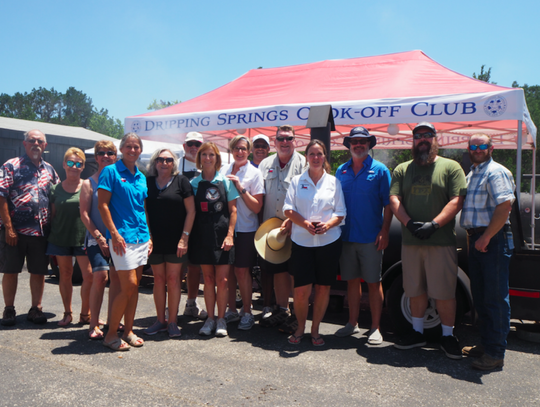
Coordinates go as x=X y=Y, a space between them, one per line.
x=31 y=248
x=272 y=268
x=245 y=252
x=315 y=265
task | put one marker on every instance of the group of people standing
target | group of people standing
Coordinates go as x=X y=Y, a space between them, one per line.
x=196 y=213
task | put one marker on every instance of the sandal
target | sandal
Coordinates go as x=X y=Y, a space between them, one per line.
x=318 y=341
x=66 y=320
x=95 y=334
x=117 y=345
x=84 y=319
x=134 y=340
x=295 y=340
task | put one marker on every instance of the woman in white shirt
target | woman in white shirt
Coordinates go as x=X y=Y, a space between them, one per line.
x=249 y=182
x=316 y=206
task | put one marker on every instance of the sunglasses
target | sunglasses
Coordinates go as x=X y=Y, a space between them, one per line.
x=72 y=164
x=34 y=141
x=257 y=146
x=290 y=138
x=419 y=136
x=193 y=143
x=355 y=141
x=238 y=149
x=168 y=160
x=474 y=147
x=103 y=153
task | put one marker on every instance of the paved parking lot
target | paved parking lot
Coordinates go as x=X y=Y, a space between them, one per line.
x=47 y=365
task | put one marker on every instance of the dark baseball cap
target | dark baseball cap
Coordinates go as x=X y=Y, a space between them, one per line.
x=359 y=131
x=426 y=125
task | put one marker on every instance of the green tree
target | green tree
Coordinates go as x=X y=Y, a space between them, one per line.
x=155 y=105
x=102 y=123
x=484 y=75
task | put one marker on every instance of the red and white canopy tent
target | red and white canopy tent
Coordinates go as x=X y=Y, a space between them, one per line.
x=387 y=94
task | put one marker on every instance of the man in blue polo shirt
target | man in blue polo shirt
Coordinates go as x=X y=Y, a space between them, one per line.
x=366 y=186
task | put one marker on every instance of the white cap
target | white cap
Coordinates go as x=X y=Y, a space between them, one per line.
x=194 y=136
x=261 y=137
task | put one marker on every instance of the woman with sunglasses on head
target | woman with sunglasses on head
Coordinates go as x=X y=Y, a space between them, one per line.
x=67 y=236
x=122 y=193
x=96 y=244
x=171 y=210
x=316 y=206
x=212 y=240
x=249 y=182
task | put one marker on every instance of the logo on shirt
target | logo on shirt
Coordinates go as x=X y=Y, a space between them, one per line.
x=421 y=185
x=123 y=180
x=271 y=170
x=218 y=206
x=304 y=186
x=212 y=194
x=344 y=171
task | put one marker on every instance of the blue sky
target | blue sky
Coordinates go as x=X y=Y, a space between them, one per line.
x=124 y=54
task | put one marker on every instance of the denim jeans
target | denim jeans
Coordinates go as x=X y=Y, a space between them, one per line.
x=488 y=273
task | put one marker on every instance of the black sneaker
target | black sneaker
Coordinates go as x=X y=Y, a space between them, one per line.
x=450 y=346
x=8 y=319
x=36 y=316
x=278 y=317
x=413 y=339
x=290 y=325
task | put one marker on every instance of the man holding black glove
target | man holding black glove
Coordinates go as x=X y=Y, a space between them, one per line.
x=426 y=194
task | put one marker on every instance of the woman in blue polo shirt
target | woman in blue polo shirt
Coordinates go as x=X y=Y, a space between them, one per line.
x=122 y=192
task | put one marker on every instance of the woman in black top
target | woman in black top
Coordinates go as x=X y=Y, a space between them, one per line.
x=171 y=211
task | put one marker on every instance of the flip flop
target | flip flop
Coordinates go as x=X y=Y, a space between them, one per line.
x=95 y=334
x=134 y=340
x=318 y=341
x=117 y=345
x=295 y=340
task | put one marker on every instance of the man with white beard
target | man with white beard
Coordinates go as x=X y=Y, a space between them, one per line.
x=425 y=195
x=25 y=219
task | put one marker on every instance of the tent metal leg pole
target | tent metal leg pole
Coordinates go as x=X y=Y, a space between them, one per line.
x=533 y=196
x=518 y=163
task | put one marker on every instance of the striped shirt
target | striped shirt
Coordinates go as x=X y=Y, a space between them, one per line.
x=488 y=185
x=26 y=189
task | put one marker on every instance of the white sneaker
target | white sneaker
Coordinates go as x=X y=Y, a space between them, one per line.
x=347 y=330
x=208 y=327
x=221 y=329
x=231 y=316
x=374 y=337
x=266 y=312
x=247 y=322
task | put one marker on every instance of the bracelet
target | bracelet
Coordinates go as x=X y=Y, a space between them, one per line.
x=99 y=236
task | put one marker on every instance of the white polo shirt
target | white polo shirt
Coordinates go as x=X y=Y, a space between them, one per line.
x=252 y=180
x=324 y=199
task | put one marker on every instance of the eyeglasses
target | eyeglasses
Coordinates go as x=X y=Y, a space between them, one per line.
x=474 y=147
x=103 y=153
x=238 y=149
x=355 y=141
x=257 y=146
x=193 y=143
x=419 y=136
x=77 y=164
x=35 y=140
x=290 y=138
x=168 y=160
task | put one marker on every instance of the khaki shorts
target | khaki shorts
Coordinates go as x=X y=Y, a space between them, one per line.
x=430 y=269
x=361 y=260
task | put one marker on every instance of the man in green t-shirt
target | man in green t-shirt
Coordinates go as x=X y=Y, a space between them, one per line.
x=425 y=195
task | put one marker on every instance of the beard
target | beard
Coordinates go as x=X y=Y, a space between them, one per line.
x=359 y=155
x=479 y=159
x=36 y=153
x=427 y=156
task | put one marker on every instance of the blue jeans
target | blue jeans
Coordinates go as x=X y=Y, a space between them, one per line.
x=489 y=284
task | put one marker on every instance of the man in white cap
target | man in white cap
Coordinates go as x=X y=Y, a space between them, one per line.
x=366 y=187
x=261 y=149
x=425 y=195
x=278 y=171
x=188 y=168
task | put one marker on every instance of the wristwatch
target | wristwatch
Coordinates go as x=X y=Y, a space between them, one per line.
x=435 y=224
x=244 y=191
x=185 y=233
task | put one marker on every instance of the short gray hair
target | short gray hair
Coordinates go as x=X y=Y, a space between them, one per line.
x=153 y=160
x=27 y=134
x=127 y=137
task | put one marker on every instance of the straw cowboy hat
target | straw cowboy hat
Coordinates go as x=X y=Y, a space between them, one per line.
x=271 y=244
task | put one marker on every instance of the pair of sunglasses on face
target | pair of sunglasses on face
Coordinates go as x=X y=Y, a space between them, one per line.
x=482 y=147
x=355 y=141
x=418 y=136
x=76 y=164
x=168 y=160
x=193 y=143
x=103 y=153
x=34 y=141
x=290 y=138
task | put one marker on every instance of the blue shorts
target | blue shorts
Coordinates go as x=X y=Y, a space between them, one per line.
x=97 y=260
x=54 y=250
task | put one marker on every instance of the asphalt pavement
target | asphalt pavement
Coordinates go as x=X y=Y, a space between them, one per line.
x=45 y=365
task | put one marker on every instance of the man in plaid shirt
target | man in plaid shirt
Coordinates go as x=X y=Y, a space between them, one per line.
x=25 y=220
x=485 y=216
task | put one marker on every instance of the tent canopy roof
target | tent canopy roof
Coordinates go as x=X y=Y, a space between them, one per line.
x=401 y=89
